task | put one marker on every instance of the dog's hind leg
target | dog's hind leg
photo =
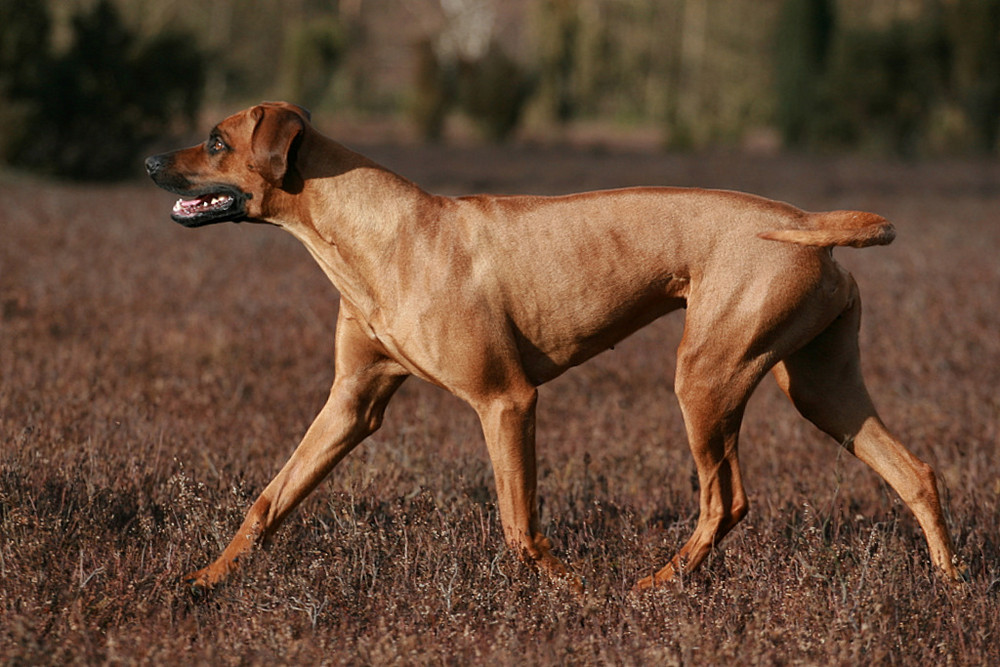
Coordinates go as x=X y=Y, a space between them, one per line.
x=713 y=385
x=824 y=381
x=365 y=381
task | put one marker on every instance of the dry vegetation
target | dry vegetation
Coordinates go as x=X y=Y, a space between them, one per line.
x=154 y=378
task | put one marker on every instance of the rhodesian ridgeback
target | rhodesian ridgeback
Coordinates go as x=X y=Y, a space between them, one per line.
x=492 y=296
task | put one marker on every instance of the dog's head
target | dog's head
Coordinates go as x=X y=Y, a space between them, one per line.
x=230 y=176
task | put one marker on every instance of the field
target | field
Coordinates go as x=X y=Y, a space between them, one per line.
x=153 y=378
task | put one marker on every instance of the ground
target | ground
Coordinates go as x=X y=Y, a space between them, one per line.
x=153 y=378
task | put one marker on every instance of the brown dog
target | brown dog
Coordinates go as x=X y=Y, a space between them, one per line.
x=490 y=297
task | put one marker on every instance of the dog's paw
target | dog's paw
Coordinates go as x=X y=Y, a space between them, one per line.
x=196 y=581
x=203 y=580
x=643 y=585
x=961 y=575
x=664 y=577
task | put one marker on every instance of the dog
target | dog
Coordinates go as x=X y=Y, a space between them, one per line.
x=490 y=297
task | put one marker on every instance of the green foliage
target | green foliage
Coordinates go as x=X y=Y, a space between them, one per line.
x=493 y=91
x=24 y=32
x=974 y=33
x=930 y=83
x=558 y=25
x=313 y=53
x=91 y=111
x=434 y=92
x=804 y=31
x=903 y=77
x=881 y=86
x=602 y=59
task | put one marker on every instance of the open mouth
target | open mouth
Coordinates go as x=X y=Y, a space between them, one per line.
x=203 y=209
x=188 y=208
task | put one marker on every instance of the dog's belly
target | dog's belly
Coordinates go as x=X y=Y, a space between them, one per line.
x=551 y=347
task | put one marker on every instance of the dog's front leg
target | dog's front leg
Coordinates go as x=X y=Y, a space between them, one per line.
x=365 y=381
x=508 y=422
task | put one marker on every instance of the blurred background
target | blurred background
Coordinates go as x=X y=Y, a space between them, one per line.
x=87 y=85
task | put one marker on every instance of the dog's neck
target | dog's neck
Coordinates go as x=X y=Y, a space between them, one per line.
x=353 y=215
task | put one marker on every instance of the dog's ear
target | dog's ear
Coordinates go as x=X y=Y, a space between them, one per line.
x=276 y=129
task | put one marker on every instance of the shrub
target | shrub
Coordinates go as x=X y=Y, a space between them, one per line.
x=974 y=33
x=314 y=51
x=804 y=31
x=91 y=111
x=881 y=87
x=24 y=34
x=434 y=92
x=493 y=91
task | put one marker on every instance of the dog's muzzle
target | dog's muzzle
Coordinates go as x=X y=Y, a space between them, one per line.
x=199 y=204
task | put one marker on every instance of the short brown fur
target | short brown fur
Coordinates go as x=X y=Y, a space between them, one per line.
x=490 y=297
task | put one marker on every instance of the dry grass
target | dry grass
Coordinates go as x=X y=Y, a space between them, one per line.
x=154 y=378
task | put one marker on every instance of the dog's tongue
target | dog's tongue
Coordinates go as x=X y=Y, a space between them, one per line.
x=203 y=203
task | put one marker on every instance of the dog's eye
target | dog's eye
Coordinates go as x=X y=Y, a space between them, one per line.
x=216 y=145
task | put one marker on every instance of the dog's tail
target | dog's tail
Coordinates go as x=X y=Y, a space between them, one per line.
x=837 y=228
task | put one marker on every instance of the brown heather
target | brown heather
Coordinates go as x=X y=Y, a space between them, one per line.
x=154 y=378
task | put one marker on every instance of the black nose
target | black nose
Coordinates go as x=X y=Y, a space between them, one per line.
x=154 y=164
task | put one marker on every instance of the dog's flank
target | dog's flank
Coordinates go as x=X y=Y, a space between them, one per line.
x=490 y=297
